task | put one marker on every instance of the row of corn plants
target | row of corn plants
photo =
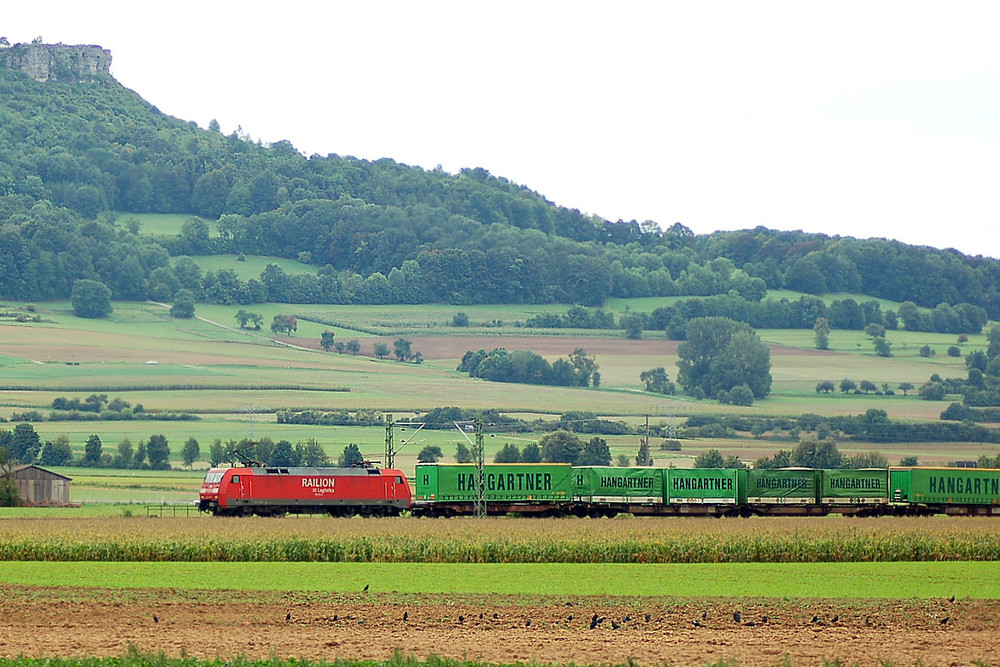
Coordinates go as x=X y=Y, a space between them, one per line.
x=748 y=547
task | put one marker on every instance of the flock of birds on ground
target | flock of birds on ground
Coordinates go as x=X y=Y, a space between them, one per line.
x=597 y=620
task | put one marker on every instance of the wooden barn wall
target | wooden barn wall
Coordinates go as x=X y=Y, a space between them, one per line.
x=38 y=486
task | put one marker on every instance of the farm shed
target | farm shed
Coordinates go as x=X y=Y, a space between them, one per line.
x=38 y=486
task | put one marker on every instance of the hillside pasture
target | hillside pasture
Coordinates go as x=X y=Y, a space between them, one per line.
x=251 y=266
x=163 y=224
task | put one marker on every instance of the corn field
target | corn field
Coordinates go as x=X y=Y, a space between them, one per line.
x=772 y=540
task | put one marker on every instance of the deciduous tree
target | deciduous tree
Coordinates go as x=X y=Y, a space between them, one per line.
x=92 y=451
x=595 y=453
x=509 y=453
x=190 y=452
x=429 y=454
x=560 y=447
x=351 y=456
x=91 y=299
x=158 y=452
x=720 y=354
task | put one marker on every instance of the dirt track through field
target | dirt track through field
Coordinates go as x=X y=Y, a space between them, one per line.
x=38 y=622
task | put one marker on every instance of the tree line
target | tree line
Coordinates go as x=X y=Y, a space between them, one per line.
x=22 y=444
x=811 y=452
x=380 y=231
x=526 y=367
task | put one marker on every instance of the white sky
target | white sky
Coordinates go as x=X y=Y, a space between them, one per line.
x=865 y=119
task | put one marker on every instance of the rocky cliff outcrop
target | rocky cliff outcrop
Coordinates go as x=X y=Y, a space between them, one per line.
x=57 y=62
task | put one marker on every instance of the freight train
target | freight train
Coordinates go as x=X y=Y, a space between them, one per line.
x=558 y=489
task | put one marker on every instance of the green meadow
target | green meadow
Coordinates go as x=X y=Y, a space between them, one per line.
x=977 y=580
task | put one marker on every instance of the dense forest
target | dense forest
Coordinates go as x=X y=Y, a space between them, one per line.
x=77 y=158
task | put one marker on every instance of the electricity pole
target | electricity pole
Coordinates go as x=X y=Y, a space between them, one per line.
x=389 y=453
x=479 y=454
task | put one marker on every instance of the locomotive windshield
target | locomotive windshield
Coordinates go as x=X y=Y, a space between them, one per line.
x=214 y=476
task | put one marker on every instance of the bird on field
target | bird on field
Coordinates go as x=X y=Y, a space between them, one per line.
x=868 y=620
x=406 y=615
x=569 y=604
x=480 y=616
x=815 y=619
x=648 y=617
x=527 y=623
x=626 y=619
x=951 y=599
x=335 y=617
x=593 y=622
x=365 y=589
x=750 y=624
x=288 y=617
x=461 y=619
x=763 y=619
x=156 y=619
x=737 y=616
x=496 y=615
x=614 y=626
x=945 y=620
x=696 y=623
x=704 y=615
x=570 y=617
x=835 y=618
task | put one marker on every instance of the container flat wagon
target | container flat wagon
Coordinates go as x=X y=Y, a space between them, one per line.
x=705 y=491
x=532 y=489
x=970 y=491
x=606 y=491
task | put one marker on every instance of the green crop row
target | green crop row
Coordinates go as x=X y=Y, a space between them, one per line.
x=691 y=548
x=135 y=658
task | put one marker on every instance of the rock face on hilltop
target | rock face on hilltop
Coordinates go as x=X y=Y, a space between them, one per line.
x=58 y=62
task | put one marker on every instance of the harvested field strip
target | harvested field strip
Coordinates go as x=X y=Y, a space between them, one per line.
x=787 y=580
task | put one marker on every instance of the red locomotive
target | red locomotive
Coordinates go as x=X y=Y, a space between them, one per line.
x=276 y=491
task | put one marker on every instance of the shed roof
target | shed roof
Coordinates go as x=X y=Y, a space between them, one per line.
x=17 y=469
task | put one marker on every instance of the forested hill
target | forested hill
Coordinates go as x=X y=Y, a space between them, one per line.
x=383 y=232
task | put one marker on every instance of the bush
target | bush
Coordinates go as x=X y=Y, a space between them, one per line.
x=741 y=395
x=932 y=391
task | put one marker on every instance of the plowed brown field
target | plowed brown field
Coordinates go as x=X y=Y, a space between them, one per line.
x=73 y=622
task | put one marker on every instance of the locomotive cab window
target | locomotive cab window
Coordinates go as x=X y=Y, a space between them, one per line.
x=213 y=477
x=236 y=479
x=399 y=479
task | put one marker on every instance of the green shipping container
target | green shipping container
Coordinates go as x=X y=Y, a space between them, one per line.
x=723 y=486
x=785 y=485
x=607 y=484
x=855 y=486
x=503 y=482
x=945 y=486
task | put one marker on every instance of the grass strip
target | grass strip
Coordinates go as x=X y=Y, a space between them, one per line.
x=135 y=658
x=777 y=580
